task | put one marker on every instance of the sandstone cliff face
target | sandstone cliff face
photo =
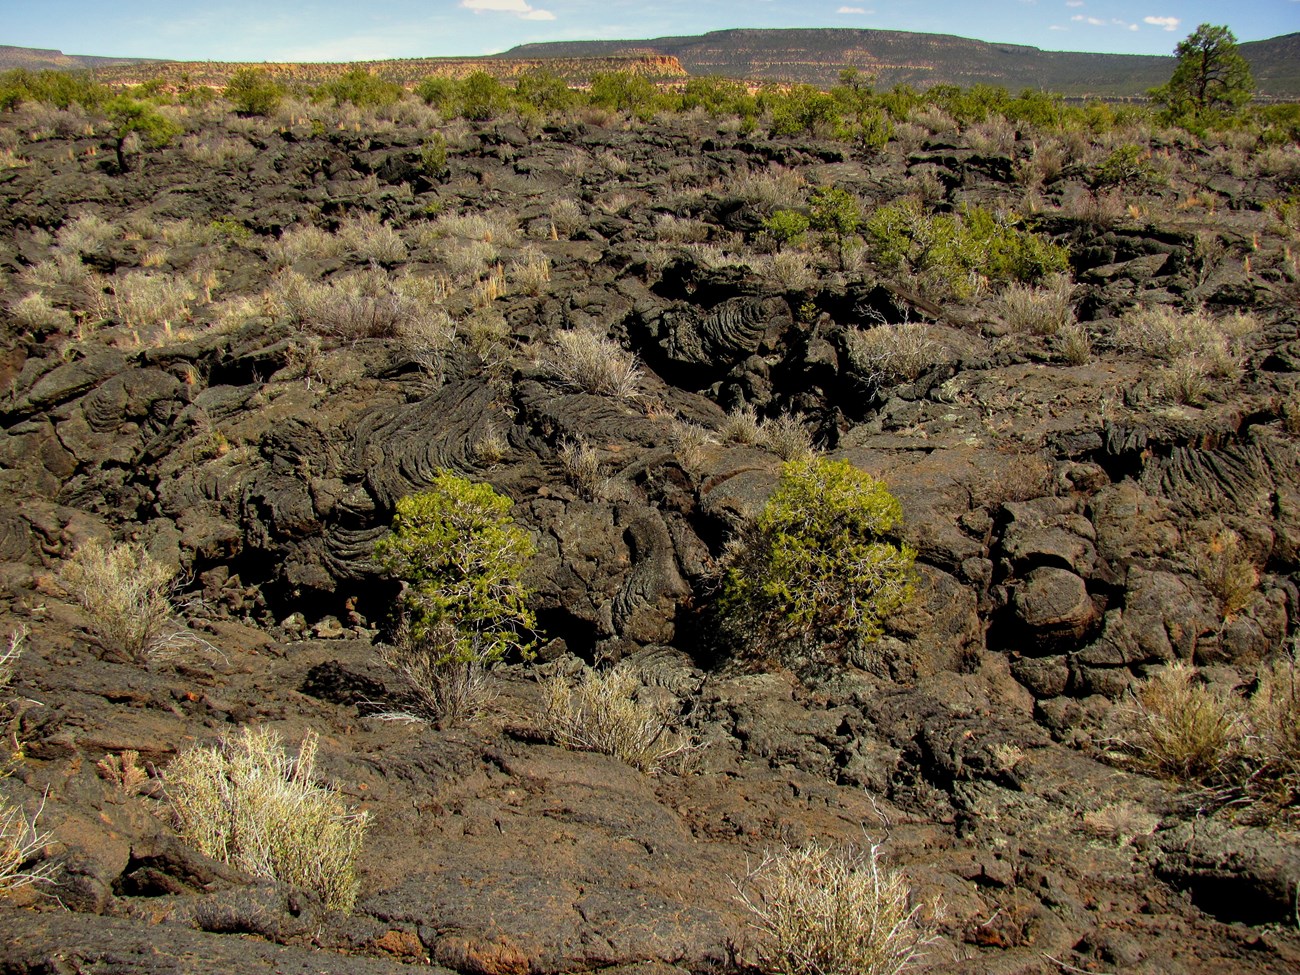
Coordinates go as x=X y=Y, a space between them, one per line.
x=258 y=431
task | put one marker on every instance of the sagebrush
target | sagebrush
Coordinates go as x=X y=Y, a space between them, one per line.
x=246 y=802
x=603 y=713
x=820 y=909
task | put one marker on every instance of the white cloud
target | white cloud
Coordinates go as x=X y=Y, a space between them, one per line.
x=1074 y=3
x=1094 y=21
x=517 y=7
x=861 y=11
x=1168 y=23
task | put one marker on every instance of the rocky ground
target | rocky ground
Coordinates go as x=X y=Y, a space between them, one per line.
x=256 y=425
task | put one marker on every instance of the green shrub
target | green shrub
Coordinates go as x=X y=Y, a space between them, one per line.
x=836 y=214
x=1127 y=165
x=873 y=130
x=439 y=93
x=623 y=91
x=543 y=91
x=718 y=96
x=245 y=802
x=786 y=227
x=129 y=117
x=252 y=92
x=57 y=88
x=958 y=250
x=360 y=88
x=816 y=574
x=463 y=559
x=800 y=109
x=482 y=97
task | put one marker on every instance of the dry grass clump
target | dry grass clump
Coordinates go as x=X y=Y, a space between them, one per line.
x=497 y=227
x=594 y=363
x=892 y=352
x=791 y=269
x=11 y=160
x=567 y=217
x=10 y=654
x=86 y=236
x=742 y=426
x=247 y=803
x=530 y=274
x=680 y=230
x=1220 y=561
x=786 y=437
x=690 y=442
x=368 y=303
x=467 y=260
x=1037 y=309
x=490 y=288
x=1291 y=411
x=829 y=910
x=996 y=135
x=73 y=283
x=22 y=844
x=1119 y=822
x=1274 y=742
x=126 y=594
x=1168 y=333
x=603 y=713
x=1244 y=753
x=143 y=299
x=34 y=313
x=217 y=151
x=1196 y=347
x=774 y=188
x=367 y=238
x=428 y=338
x=1074 y=343
x=307 y=242
x=581 y=464
x=444 y=687
x=1180 y=728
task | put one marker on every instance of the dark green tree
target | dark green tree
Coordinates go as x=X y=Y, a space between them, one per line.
x=1211 y=78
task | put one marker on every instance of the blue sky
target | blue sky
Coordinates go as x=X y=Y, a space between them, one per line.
x=345 y=30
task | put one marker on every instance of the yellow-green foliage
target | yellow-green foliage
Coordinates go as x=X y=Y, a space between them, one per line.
x=957 y=249
x=249 y=804
x=463 y=558
x=817 y=569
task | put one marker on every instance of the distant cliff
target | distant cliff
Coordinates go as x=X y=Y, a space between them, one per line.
x=818 y=55
x=406 y=71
